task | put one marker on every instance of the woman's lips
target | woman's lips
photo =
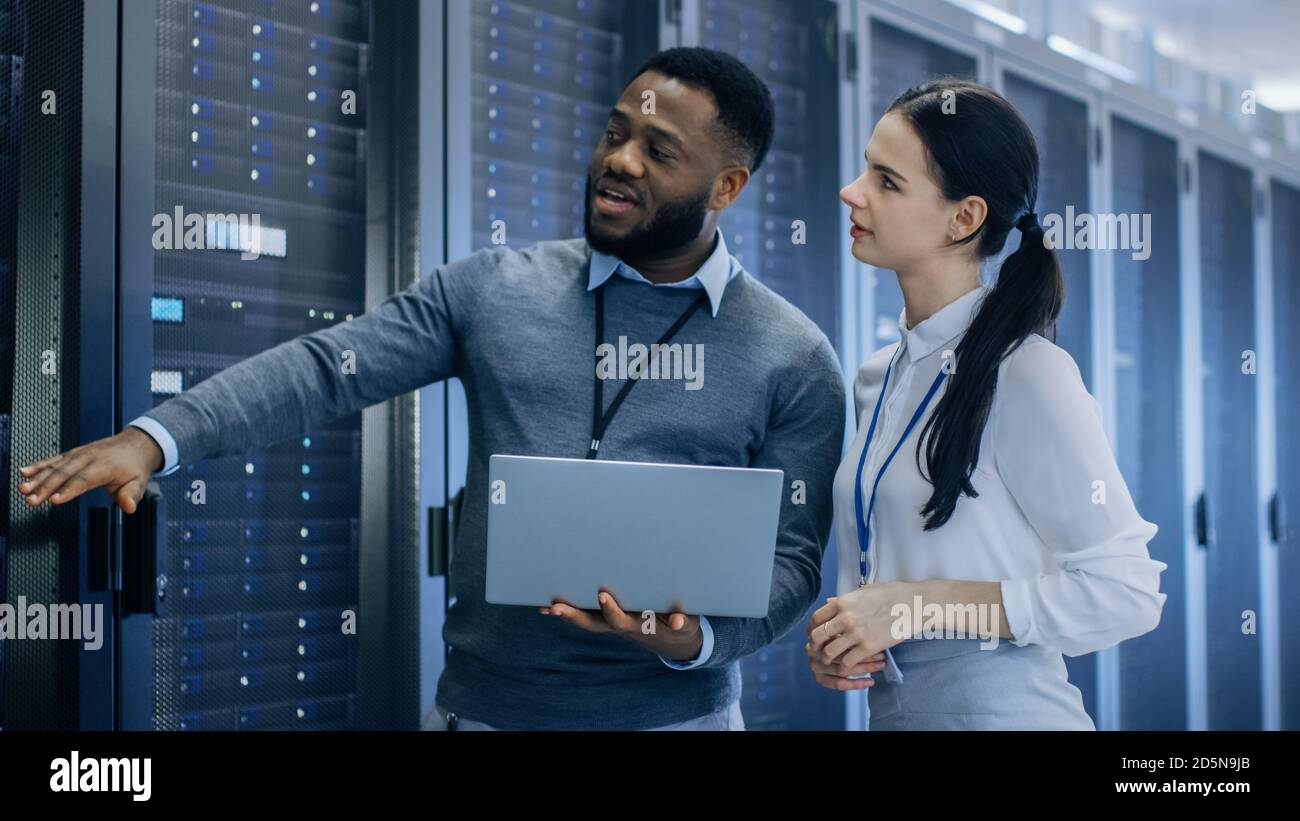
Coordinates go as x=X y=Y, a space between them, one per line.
x=856 y=231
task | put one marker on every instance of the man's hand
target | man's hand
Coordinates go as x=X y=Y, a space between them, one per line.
x=120 y=464
x=676 y=636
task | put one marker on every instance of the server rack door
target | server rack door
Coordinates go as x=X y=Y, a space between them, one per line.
x=1283 y=507
x=1148 y=342
x=900 y=60
x=1060 y=126
x=1231 y=536
x=262 y=121
x=785 y=229
x=57 y=91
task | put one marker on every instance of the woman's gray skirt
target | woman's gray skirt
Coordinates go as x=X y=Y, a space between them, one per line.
x=952 y=684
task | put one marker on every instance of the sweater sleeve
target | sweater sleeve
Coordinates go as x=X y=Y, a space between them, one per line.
x=409 y=340
x=804 y=433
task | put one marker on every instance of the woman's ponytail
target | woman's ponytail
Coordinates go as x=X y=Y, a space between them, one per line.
x=984 y=149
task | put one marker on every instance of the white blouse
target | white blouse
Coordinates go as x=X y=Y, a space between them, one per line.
x=1054 y=521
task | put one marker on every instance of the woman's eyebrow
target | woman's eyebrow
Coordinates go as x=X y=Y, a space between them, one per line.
x=885 y=168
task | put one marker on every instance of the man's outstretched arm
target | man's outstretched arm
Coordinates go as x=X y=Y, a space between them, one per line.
x=409 y=340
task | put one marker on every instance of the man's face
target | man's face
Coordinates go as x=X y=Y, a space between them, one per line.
x=663 y=164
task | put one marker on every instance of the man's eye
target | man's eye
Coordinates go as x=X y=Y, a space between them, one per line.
x=659 y=155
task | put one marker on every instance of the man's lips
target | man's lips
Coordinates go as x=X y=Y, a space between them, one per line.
x=612 y=207
x=613 y=200
x=616 y=192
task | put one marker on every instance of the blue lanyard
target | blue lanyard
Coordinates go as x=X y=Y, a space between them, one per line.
x=864 y=535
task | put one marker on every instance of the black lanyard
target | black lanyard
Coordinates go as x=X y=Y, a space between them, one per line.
x=599 y=421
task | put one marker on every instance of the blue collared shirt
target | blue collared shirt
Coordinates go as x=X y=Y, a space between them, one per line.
x=713 y=276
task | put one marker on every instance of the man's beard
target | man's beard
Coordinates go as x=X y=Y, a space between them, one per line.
x=673 y=226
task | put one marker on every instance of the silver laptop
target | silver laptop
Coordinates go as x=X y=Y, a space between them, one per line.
x=659 y=537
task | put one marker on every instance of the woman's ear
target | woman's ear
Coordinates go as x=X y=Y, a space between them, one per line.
x=967 y=217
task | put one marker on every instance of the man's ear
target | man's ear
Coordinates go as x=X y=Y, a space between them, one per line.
x=728 y=186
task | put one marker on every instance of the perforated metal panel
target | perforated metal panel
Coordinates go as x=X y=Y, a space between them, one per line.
x=12 y=36
x=1149 y=399
x=1285 y=216
x=40 y=190
x=1226 y=212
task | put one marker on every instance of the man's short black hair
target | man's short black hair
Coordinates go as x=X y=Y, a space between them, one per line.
x=745 y=109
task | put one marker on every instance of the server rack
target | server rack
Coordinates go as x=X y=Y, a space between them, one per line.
x=12 y=53
x=1226 y=524
x=1149 y=392
x=53 y=251
x=286 y=589
x=1284 y=200
x=1060 y=125
x=794 y=48
x=81 y=329
x=1062 y=131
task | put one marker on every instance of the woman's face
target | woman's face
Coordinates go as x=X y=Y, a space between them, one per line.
x=898 y=214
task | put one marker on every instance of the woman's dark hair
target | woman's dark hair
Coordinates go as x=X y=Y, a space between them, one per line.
x=977 y=144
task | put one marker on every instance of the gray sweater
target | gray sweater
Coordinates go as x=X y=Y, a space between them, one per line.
x=517 y=327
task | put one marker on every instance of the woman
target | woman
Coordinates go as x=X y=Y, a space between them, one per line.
x=1018 y=541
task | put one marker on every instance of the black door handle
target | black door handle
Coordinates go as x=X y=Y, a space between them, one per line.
x=443 y=521
x=437 y=540
x=142 y=588
x=1275 y=519
x=1202 y=521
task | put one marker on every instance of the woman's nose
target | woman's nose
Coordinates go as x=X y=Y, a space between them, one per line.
x=850 y=196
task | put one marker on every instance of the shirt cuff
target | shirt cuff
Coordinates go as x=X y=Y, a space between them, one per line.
x=1018 y=611
x=706 y=649
x=171 y=459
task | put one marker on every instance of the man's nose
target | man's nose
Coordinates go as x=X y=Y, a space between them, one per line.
x=625 y=162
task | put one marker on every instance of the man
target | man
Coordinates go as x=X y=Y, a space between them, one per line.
x=518 y=328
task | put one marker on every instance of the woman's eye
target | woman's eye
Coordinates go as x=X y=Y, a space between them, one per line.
x=888 y=183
